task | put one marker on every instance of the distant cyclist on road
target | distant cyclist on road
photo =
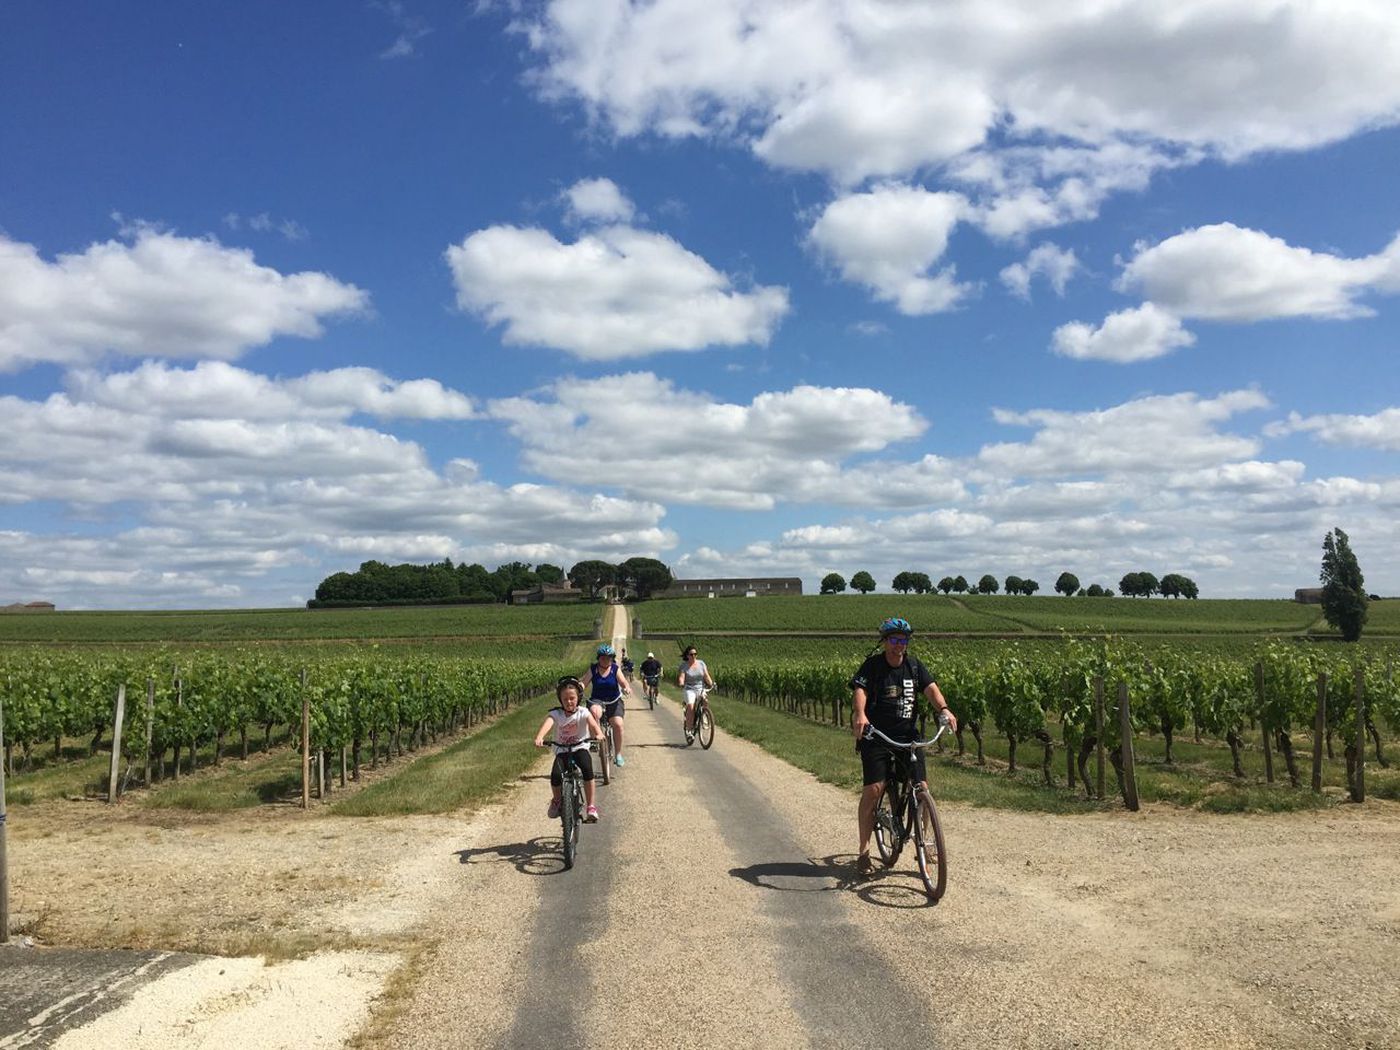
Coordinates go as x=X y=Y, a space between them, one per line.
x=651 y=674
x=573 y=726
x=609 y=684
x=694 y=676
x=885 y=694
x=627 y=665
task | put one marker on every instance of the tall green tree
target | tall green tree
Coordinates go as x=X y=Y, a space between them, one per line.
x=922 y=584
x=833 y=583
x=646 y=576
x=1343 y=586
x=1067 y=584
x=592 y=576
x=548 y=573
x=959 y=584
x=1029 y=587
x=903 y=583
x=863 y=582
x=1013 y=585
x=988 y=585
x=946 y=584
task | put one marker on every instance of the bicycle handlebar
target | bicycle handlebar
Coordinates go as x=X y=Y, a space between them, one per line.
x=913 y=745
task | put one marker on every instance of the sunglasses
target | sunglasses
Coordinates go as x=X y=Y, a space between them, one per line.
x=897 y=642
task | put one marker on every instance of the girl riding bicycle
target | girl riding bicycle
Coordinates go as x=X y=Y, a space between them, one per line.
x=573 y=727
x=885 y=694
x=609 y=685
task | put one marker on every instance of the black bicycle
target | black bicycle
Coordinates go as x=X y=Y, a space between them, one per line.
x=703 y=721
x=607 y=742
x=573 y=802
x=650 y=687
x=906 y=809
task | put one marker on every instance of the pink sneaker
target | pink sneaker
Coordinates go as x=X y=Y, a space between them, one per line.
x=554 y=809
x=591 y=817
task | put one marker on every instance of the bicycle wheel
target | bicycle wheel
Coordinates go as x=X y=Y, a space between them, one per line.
x=605 y=752
x=568 y=813
x=929 y=849
x=704 y=725
x=889 y=836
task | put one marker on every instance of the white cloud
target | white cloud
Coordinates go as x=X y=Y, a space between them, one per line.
x=159 y=295
x=1057 y=265
x=1148 y=435
x=598 y=200
x=783 y=446
x=1226 y=273
x=213 y=389
x=889 y=239
x=869 y=88
x=1379 y=431
x=615 y=293
x=1137 y=334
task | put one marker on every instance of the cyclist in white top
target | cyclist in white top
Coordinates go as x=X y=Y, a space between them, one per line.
x=694 y=676
x=573 y=725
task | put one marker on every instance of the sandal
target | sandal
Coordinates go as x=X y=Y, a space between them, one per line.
x=864 y=866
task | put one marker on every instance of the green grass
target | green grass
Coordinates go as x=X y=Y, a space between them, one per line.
x=1382 y=618
x=489 y=621
x=233 y=785
x=811 y=613
x=467 y=774
x=1149 y=615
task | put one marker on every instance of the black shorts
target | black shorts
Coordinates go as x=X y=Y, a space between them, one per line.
x=583 y=758
x=878 y=760
x=653 y=682
x=611 y=708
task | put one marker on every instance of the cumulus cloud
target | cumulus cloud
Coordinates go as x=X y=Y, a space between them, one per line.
x=889 y=239
x=243 y=487
x=1378 y=431
x=157 y=294
x=617 y=292
x=864 y=88
x=1057 y=265
x=1226 y=273
x=598 y=200
x=1147 y=435
x=1137 y=334
x=782 y=446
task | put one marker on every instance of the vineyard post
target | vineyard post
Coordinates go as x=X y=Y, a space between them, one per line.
x=150 y=725
x=1125 y=731
x=305 y=744
x=1358 y=791
x=116 y=743
x=1319 y=731
x=4 y=856
x=1098 y=730
x=1264 y=722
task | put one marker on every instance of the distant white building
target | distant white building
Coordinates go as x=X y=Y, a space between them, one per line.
x=746 y=586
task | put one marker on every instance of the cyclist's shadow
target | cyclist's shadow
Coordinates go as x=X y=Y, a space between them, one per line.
x=543 y=855
x=885 y=888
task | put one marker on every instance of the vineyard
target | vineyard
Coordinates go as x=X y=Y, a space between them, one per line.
x=362 y=705
x=1226 y=710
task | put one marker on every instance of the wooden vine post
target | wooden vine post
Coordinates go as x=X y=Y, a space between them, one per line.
x=1264 y=722
x=1125 y=732
x=1358 y=787
x=4 y=856
x=1319 y=731
x=305 y=744
x=1098 y=732
x=150 y=725
x=116 y=763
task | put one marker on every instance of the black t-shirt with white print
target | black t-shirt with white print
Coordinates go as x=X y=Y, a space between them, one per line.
x=892 y=693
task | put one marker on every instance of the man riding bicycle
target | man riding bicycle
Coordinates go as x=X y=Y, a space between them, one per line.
x=651 y=675
x=609 y=685
x=885 y=694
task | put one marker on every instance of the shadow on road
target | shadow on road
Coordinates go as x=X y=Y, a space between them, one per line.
x=667 y=743
x=883 y=888
x=540 y=856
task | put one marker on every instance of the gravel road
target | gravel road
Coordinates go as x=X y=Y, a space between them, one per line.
x=715 y=905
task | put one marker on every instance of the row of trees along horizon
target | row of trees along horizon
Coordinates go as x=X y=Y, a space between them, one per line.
x=443 y=583
x=1132 y=585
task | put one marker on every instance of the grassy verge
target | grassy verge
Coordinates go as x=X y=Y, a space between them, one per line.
x=469 y=773
x=275 y=777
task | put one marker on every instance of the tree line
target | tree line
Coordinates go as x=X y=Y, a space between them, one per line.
x=1133 y=584
x=443 y=583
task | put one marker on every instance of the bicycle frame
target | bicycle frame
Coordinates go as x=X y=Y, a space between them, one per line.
x=910 y=807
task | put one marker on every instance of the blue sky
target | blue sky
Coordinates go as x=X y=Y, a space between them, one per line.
x=754 y=288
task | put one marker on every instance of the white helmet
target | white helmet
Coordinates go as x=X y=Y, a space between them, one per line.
x=651 y=656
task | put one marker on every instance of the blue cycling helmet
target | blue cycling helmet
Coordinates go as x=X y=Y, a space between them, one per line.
x=606 y=650
x=895 y=625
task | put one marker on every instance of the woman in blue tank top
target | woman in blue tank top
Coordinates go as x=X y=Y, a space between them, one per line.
x=608 y=685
